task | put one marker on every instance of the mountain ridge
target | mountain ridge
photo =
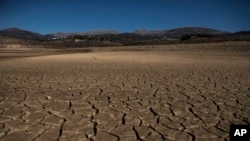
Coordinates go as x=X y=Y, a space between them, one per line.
x=26 y=34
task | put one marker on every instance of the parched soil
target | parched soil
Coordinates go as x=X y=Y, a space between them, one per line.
x=155 y=93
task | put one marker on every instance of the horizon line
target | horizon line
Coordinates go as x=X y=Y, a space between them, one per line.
x=90 y=30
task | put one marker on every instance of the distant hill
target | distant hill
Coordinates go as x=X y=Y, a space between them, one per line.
x=113 y=38
x=93 y=32
x=143 y=32
x=194 y=30
x=177 y=33
x=22 y=34
x=138 y=36
x=60 y=34
x=172 y=33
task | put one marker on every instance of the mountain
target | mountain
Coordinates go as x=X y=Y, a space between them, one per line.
x=99 y=32
x=180 y=31
x=176 y=33
x=194 y=30
x=142 y=32
x=149 y=32
x=61 y=34
x=22 y=34
x=92 y=32
x=113 y=38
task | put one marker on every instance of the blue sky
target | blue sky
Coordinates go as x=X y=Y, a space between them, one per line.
x=46 y=16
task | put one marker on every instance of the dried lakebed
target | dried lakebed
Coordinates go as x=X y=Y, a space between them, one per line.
x=124 y=95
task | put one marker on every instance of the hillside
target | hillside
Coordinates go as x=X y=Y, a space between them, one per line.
x=22 y=34
x=172 y=33
x=114 y=38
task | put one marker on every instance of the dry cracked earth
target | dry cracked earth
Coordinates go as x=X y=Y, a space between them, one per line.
x=125 y=95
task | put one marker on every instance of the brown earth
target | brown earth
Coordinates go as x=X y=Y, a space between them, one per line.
x=171 y=92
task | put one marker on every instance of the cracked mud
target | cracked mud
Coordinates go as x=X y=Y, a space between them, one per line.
x=124 y=95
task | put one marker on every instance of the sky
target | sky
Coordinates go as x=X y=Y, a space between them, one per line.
x=47 y=16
